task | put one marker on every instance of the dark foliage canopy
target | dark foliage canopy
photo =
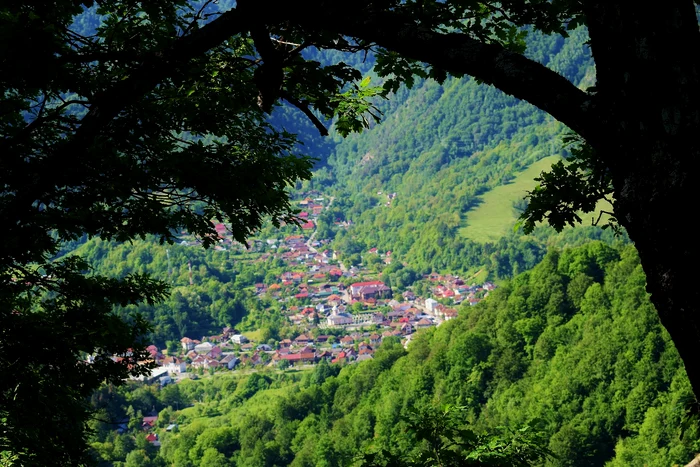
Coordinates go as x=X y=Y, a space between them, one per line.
x=144 y=122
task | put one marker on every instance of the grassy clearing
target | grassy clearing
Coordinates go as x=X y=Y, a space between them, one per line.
x=254 y=336
x=479 y=277
x=495 y=215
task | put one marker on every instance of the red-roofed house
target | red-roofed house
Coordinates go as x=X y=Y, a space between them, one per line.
x=450 y=314
x=424 y=323
x=307 y=357
x=302 y=340
x=215 y=352
x=367 y=290
x=342 y=356
x=174 y=365
x=335 y=272
x=149 y=422
x=297 y=276
x=334 y=300
x=204 y=361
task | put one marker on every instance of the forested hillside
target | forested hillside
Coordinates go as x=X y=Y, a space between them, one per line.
x=571 y=349
x=409 y=183
x=571 y=352
x=209 y=289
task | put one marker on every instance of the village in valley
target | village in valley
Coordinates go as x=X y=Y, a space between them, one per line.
x=342 y=316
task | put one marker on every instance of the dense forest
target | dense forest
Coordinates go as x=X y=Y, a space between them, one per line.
x=571 y=350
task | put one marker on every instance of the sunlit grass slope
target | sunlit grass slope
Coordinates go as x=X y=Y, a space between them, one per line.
x=495 y=215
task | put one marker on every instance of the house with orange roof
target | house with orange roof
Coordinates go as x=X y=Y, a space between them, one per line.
x=187 y=344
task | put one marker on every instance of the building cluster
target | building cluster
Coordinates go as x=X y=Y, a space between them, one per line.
x=455 y=289
x=332 y=315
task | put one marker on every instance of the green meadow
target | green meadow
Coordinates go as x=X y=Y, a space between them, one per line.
x=495 y=215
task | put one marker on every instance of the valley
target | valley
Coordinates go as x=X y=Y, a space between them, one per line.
x=360 y=299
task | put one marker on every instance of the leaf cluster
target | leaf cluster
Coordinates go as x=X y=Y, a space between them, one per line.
x=572 y=186
x=446 y=440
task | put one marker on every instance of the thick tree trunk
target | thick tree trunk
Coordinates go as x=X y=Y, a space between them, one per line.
x=648 y=90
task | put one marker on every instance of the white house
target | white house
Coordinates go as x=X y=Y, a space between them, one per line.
x=239 y=339
x=187 y=344
x=204 y=347
x=431 y=305
x=175 y=366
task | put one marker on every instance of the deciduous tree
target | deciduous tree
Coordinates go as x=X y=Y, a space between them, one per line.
x=121 y=119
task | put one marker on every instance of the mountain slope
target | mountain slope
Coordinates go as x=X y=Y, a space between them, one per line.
x=439 y=150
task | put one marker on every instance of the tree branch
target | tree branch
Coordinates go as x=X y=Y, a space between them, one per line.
x=305 y=109
x=456 y=53
x=152 y=71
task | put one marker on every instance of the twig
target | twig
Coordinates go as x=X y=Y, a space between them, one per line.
x=305 y=109
x=600 y=215
x=279 y=41
x=197 y=17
